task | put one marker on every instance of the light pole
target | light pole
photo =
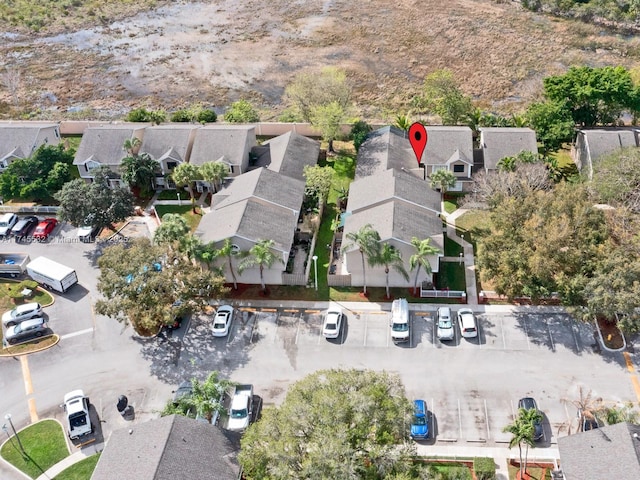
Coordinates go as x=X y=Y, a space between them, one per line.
x=460 y=258
x=8 y=417
x=179 y=203
x=315 y=269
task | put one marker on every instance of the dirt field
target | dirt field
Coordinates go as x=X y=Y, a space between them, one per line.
x=218 y=51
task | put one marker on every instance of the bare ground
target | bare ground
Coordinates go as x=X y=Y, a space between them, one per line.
x=218 y=51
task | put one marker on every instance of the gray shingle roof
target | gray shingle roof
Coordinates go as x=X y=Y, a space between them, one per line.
x=21 y=139
x=601 y=454
x=389 y=184
x=231 y=143
x=171 y=140
x=264 y=184
x=105 y=144
x=602 y=142
x=443 y=142
x=170 y=448
x=289 y=153
x=500 y=142
x=252 y=220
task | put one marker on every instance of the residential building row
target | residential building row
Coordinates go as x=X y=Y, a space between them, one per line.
x=263 y=193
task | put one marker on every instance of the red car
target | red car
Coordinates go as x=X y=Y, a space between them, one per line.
x=44 y=229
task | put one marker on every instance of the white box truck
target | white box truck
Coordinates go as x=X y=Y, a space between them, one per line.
x=52 y=274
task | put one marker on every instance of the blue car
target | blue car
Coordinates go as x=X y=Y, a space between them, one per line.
x=419 y=423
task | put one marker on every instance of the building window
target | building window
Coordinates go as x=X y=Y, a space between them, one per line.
x=231 y=169
x=171 y=165
x=459 y=168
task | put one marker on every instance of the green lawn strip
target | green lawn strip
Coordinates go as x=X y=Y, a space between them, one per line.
x=450 y=206
x=81 y=470
x=451 y=248
x=45 y=444
x=325 y=237
x=185 y=210
x=473 y=225
x=173 y=195
x=451 y=276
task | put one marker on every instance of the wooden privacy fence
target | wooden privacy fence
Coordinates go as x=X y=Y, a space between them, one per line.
x=339 y=280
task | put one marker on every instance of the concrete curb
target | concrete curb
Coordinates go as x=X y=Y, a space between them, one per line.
x=42 y=349
x=602 y=342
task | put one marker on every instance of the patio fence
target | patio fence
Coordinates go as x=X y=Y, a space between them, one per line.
x=294 y=278
x=339 y=280
x=28 y=209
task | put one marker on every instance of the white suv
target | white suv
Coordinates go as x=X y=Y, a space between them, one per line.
x=20 y=313
x=445 y=324
x=7 y=221
x=467 y=322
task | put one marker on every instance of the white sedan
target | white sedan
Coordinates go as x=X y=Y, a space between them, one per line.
x=332 y=322
x=222 y=321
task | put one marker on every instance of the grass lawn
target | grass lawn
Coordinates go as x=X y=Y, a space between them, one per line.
x=473 y=225
x=451 y=276
x=6 y=303
x=173 y=195
x=185 y=210
x=451 y=248
x=450 y=206
x=44 y=443
x=81 y=470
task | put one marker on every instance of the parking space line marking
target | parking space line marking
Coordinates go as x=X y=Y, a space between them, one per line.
x=275 y=337
x=634 y=378
x=75 y=334
x=627 y=360
x=433 y=407
x=33 y=412
x=575 y=338
x=526 y=333
x=422 y=314
x=312 y=311
x=366 y=322
x=298 y=329
x=636 y=386
x=553 y=346
x=26 y=374
x=459 y=419
x=269 y=309
x=247 y=309
x=291 y=310
x=253 y=328
x=504 y=341
x=486 y=417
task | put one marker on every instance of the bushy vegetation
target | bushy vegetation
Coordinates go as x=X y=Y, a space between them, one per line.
x=195 y=114
x=613 y=10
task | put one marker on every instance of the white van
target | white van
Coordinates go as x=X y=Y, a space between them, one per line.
x=400 y=320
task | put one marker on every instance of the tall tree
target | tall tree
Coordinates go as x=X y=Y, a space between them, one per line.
x=204 y=400
x=442 y=180
x=312 y=89
x=442 y=96
x=420 y=259
x=522 y=432
x=139 y=171
x=318 y=182
x=333 y=424
x=229 y=251
x=552 y=123
x=328 y=119
x=593 y=95
x=260 y=255
x=96 y=203
x=145 y=289
x=241 y=112
x=367 y=240
x=171 y=230
x=185 y=175
x=390 y=257
x=214 y=173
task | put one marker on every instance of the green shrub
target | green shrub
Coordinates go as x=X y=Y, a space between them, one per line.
x=144 y=115
x=484 y=468
x=359 y=132
x=206 y=116
x=195 y=113
x=241 y=112
x=183 y=115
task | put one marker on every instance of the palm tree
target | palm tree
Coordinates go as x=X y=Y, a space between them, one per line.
x=262 y=256
x=132 y=145
x=367 y=240
x=442 y=180
x=390 y=257
x=204 y=400
x=403 y=122
x=214 y=173
x=522 y=430
x=588 y=407
x=184 y=175
x=420 y=259
x=229 y=251
x=172 y=229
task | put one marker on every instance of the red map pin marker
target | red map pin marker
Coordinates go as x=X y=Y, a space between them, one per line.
x=418 y=139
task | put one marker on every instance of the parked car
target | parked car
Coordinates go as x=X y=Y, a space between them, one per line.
x=44 y=229
x=76 y=407
x=467 y=323
x=528 y=403
x=21 y=313
x=7 y=221
x=88 y=233
x=24 y=331
x=24 y=227
x=222 y=321
x=332 y=322
x=419 y=423
x=445 y=330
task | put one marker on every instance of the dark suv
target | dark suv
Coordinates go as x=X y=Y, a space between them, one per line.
x=529 y=403
x=24 y=227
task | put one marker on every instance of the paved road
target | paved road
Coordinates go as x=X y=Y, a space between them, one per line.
x=471 y=386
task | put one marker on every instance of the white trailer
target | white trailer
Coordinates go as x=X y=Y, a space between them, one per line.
x=52 y=274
